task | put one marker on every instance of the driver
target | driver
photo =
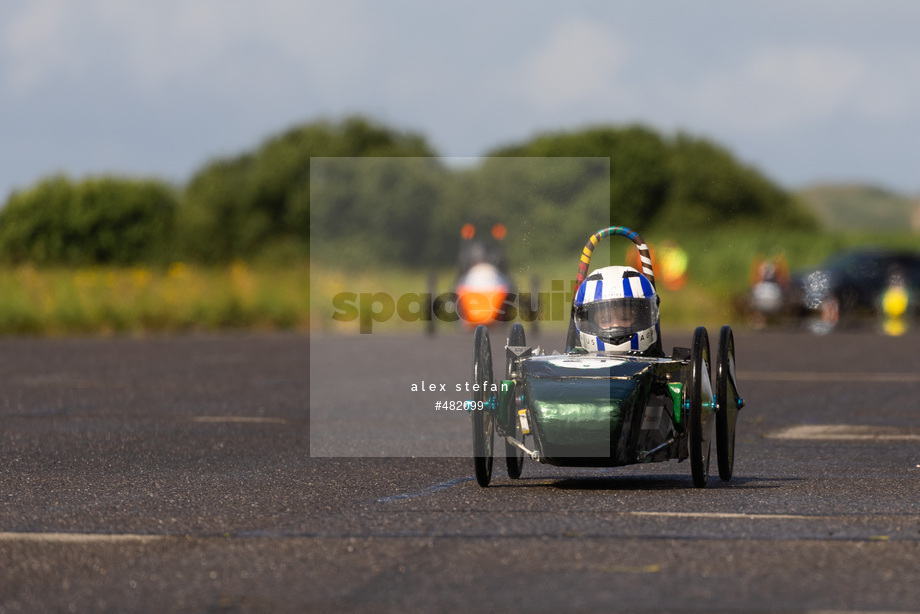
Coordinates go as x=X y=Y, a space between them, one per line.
x=616 y=309
x=611 y=315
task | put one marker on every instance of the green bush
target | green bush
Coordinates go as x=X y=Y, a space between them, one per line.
x=97 y=220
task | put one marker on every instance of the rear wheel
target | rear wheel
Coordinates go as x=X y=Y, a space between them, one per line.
x=729 y=403
x=482 y=410
x=699 y=408
x=514 y=456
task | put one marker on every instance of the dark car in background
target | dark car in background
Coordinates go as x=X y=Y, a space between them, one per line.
x=851 y=285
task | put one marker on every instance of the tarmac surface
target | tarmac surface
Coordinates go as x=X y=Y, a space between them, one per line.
x=175 y=474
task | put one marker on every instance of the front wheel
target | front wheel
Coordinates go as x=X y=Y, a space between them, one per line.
x=483 y=404
x=729 y=403
x=699 y=408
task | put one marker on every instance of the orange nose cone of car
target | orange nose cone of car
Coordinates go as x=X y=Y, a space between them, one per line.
x=480 y=306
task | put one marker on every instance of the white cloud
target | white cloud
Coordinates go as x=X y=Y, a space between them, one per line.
x=578 y=63
x=34 y=44
x=151 y=44
x=782 y=87
x=891 y=90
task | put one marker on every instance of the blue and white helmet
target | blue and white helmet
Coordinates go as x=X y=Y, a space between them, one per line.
x=616 y=309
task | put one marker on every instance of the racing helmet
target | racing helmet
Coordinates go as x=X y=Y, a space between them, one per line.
x=616 y=309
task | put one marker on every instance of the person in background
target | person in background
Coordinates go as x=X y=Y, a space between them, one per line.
x=769 y=283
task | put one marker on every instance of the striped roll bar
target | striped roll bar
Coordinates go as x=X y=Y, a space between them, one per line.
x=632 y=235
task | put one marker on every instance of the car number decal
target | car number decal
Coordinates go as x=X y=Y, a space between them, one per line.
x=570 y=362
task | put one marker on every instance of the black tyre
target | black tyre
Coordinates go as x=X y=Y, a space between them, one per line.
x=514 y=456
x=430 y=310
x=729 y=402
x=483 y=406
x=699 y=408
x=534 y=307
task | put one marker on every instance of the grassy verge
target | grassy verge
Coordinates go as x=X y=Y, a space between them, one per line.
x=181 y=297
x=106 y=300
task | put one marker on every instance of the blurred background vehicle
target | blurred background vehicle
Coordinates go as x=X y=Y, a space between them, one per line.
x=483 y=282
x=858 y=284
x=484 y=291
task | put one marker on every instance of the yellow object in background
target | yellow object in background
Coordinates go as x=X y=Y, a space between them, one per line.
x=894 y=307
x=894 y=302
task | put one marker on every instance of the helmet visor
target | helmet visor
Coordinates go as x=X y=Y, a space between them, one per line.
x=619 y=318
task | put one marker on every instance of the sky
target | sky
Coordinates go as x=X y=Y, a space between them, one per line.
x=806 y=91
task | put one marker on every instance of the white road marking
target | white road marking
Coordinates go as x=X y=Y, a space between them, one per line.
x=742 y=516
x=77 y=538
x=729 y=515
x=239 y=419
x=847 y=432
x=814 y=376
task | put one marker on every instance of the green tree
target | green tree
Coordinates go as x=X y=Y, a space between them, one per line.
x=711 y=188
x=657 y=183
x=639 y=174
x=239 y=207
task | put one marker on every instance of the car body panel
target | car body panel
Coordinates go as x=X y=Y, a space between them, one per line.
x=601 y=408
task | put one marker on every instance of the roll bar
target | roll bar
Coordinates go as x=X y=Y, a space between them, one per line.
x=644 y=254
